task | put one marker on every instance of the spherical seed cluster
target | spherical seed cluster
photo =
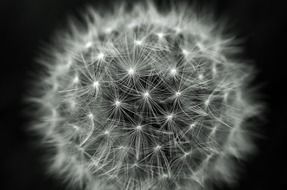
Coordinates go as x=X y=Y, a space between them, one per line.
x=142 y=100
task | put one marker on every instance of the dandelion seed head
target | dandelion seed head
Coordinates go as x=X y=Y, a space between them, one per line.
x=145 y=99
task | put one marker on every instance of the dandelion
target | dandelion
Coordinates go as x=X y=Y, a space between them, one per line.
x=158 y=104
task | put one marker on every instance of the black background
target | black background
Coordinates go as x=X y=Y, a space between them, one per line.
x=28 y=24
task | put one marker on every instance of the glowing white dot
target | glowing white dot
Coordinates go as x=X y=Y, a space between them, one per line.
x=185 y=52
x=75 y=127
x=76 y=80
x=169 y=117
x=173 y=71
x=96 y=84
x=164 y=176
x=135 y=165
x=207 y=102
x=139 y=127
x=106 y=132
x=191 y=126
x=138 y=42
x=160 y=35
x=131 y=71
x=158 y=147
x=200 y=76
x=101 y=56
x=177 y=94
x=117 y=103
x=90 y=115
x=89 y=44
x=146 y=94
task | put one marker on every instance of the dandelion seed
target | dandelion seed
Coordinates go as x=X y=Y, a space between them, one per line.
x=138 y=42
x=200 y=77
x=177 y=94
x=88 y=44
x=169 y=117
x=75 y=127
x=139 y=127
x=131 y=71
x=107 y=132
x=101 y=56
x=157 y=148
x=146 y=94
x=91 y=116
x=191 y=126
x=76 y=80
x=185 y=52
x=173 y=71
x=160 y=35
x=96 y=84
x=117 y=103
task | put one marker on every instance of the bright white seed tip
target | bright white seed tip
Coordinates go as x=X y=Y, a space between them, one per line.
x=106 y=132
x=164 y=176
x=200 y=77
x=131 y=71
x=76 y=79
x=96 y=84
x=146 y=94
x=191 y=126
x=206 y=102
x=185 y=52
x=169 y=117
x=88 y=44
x=117 y=103
x=186 y=154
x=138 y=42
x=75 y=127
x=173 y=71
x=157 y=148
x=160 y=35
x=177 y=94
x=101 y=56
x=91 y=116
x=139 y=127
